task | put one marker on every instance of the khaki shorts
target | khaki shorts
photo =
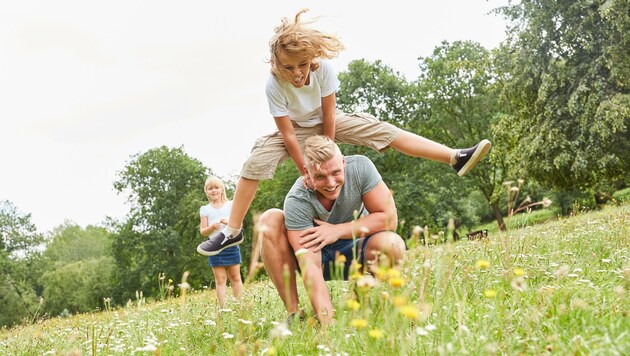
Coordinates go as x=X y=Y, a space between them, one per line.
x=359 y=129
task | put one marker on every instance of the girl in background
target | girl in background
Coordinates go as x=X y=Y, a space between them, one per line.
x=226 y=264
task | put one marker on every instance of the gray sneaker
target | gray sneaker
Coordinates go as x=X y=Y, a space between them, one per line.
x=468 y=158
x=218 y=242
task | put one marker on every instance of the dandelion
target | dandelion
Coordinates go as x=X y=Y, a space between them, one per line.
x=358 y=323
x=366 y=282
x=340 y=260
x=519 y=272
x=353 y=304
x=376 y=333
x=482 y=264
x=519 y=284
x=490 y=293
x=399 y=301
x=269 y=351
x=410 y=312
x=397 y=282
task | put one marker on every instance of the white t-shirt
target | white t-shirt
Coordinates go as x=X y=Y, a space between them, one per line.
x=215 y=214
x=303 y=105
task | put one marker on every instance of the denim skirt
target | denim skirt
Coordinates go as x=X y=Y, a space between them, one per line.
x=229 y=257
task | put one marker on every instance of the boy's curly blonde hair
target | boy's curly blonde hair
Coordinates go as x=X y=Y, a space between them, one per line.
x=296 y=39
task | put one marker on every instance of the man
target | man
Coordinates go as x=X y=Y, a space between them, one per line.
x=319 y=224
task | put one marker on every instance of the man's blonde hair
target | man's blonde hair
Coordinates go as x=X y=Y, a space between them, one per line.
x=319 y=149
x=214 y=182
x=297 y=39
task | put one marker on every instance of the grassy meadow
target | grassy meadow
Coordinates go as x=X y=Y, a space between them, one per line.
x=561 y=287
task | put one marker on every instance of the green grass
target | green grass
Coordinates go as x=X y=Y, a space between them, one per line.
x=521 y=220
x=561 y=286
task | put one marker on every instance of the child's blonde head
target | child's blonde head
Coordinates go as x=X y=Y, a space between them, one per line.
x=214 y=182
x=319 y=149
x=297 y=39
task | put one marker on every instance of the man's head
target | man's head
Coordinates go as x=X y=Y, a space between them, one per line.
x=325 y=166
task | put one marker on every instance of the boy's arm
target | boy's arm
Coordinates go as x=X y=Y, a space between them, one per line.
x=329 y=103
x=379 y=202
x=290 y=141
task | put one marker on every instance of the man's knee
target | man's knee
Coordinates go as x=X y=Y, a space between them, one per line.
x=271 y=224
x=388 y=243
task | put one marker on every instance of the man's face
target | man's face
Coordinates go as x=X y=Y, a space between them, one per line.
x=329 y=178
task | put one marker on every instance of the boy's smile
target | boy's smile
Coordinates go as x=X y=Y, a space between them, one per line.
x=297 y=70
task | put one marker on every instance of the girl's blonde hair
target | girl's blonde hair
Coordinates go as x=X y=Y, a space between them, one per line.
x=214 y=182
x=296 y=39
x=319 y=149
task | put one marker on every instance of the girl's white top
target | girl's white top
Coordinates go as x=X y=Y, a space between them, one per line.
x=215 y=214
x=302 y=105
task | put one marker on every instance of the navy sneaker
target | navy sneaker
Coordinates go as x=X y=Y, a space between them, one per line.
x=468 y=158
x=218 y=242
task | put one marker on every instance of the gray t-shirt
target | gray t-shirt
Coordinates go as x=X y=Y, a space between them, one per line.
x=301 y=205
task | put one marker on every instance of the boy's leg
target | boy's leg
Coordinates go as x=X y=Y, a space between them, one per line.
x=268 y=152
x=278 y=257
x=366 y=130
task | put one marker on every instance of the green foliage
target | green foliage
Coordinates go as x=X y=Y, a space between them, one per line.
x=566 y=76
x=164 y=187
x=71 y=243
x=18 y=235
x=79 y=286
x=532 y=291
x=19 y=242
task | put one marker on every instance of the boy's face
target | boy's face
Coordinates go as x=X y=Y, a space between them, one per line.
x=295 y=69
x=329 y=178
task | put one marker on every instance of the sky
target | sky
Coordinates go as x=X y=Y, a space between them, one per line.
x=86 y=85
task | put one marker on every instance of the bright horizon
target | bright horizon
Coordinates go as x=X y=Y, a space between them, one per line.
x=86 y=86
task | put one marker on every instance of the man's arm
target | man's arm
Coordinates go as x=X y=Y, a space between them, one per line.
x=382 y=216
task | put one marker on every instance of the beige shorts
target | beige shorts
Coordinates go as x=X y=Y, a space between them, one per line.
x=359 y=129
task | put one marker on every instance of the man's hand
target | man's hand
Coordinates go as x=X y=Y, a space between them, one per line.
x=319 y=236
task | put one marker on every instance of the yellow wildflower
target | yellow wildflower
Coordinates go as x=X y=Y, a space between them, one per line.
x=399 y=301
x=490 y=293
x=482 y=264
x=358 y=323
x=519 y=272
x=410 y=312
x=396 y=282
x=353 y=304
x=375 y=333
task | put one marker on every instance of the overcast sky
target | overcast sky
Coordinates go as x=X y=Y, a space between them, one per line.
x=84 y=85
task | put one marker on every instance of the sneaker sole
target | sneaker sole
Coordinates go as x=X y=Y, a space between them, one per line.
x=214 y=253
x=480 y=153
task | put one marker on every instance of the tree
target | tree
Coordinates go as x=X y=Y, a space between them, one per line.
x=458 y=92
x=566 y=68
x=19 y=242
x=79 y=269
x=452 y=102
x=164 y=187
